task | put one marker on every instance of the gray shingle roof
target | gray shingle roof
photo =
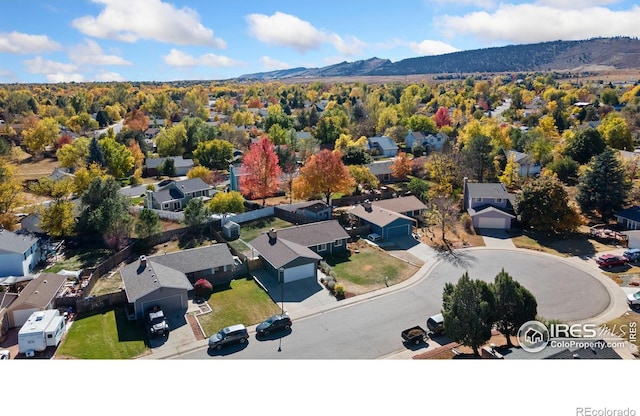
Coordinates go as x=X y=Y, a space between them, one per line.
x=178 y=161
x=315 y=233
x=378 y=216
x=385 y=142
x=190 y=185
x=313 y=206
x=632 y=213
x=487 y=190
x=139 y=281
x=196 y=259
x=402 y=204
x=167 y=195
x=380 y=168
x=11 y=242
x=281 y=252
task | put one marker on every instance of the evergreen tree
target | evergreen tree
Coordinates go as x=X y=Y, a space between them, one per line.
x=96 y=154
x=544 y=205
x=605 y=186
x=515 y=305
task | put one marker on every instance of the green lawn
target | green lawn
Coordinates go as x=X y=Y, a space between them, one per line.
x=244 y=302
x=106 y=335
x=368 y=268
x=76 y=259
x=250 y=230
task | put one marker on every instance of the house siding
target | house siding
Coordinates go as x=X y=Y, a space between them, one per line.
x=172 y=301
x=19 y=264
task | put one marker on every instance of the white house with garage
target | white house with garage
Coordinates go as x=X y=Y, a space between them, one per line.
x=490 y=205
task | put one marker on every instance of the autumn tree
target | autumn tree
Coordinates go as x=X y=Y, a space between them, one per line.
x=323 y=173
x=442 y=118
x=214 y=154
x=10 y=187
x=86 y=174
x=42 y=135
x=170 y=141
x=363 y=177
x=201 y=172
x=402 y=166
x=118 y=158
x=136 y=120
x=510 y=175
x=615 y=132
x=288 y=162
x=261 y=172
x=225 y=203
x=544 y=205
x=74 y=155
x=443 y=170
x=585 y=144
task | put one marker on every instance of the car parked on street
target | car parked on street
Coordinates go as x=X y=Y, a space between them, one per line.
x=231 y=334
x=274 y=323
x=632 y=254
x=608 y=261
x=633 y=299
x=5 y=354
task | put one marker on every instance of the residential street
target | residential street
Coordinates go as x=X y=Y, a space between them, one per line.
x=369 y=326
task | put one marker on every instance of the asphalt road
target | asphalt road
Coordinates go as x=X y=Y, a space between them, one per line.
x=371 y=329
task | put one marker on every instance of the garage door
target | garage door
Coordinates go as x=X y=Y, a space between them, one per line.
x=299 y=272
x=499 y=223
x=170 y=305
x=21 y=316
x=398 y=231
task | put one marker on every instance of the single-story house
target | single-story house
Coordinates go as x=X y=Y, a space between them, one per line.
x=38 y=295
x=213 y=262
x=409 y=206
x=527 y=166
x=176 y=195
x=19 y=253
x=382 y=146
x=297 y=250
x=315 y=210
x=489 y=205
x=387 y=223
x=182 y=165
x=381 y=170
x=147 y=283
x=629 y=218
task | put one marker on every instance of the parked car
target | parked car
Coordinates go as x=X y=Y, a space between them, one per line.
x=374 y=237
x=228 y=335
x=633 y=299
x=632 y=254
x=157 y=322
x=610 y=260
x=435 y=324
x=5 y=354
x=274 y=323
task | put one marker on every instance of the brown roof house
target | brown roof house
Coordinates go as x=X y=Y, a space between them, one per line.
x=295 y=252
x=38 y=295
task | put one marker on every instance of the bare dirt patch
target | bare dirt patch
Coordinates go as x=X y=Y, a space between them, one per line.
x=34 y=170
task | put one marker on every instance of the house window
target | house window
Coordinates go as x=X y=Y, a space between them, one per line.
x=337 y=243
x=322 y=247
x=499 y=200
x=477 y=199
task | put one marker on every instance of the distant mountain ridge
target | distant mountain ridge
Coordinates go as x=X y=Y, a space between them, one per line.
x=615 y=53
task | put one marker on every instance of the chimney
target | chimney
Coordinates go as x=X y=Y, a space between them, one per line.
x=367 y=206
x=143 y=261
x=273 y=236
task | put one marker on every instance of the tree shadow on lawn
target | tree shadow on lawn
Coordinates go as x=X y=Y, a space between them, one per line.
x=572 y=244
x=128 y=330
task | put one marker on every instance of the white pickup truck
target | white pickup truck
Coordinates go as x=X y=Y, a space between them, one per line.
x=633 y=299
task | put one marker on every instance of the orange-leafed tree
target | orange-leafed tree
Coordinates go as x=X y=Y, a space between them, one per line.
x=402 y=166
x=136 y=120
x=325 y=174
x=442 y=118
x=261 y=172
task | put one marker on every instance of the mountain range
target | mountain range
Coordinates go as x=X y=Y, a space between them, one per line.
x=560 y=55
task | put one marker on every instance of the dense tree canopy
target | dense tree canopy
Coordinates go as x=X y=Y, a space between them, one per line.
x=261 y=172
x=544 y=205
x=323 y=174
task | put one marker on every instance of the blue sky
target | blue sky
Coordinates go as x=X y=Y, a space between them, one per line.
x=166 y=40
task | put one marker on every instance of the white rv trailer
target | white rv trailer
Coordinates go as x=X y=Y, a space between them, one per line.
x=43 y=329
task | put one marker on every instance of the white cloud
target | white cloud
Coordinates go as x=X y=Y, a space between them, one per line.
x=283 y=29
x=5 y=73
x=574 y=4
x=484 y=4
x=64 y=77
x=271 y=64
x=431 y=47
x=91 y=53
x=529 y=23
x=182 y=59
x=106 y=76
x=38 y=65
x=129 y=21
x=23 y=43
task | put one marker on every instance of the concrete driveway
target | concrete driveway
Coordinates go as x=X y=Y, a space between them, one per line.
x=495 y=238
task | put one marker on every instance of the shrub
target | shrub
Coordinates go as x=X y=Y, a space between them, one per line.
x=339 y=290
x=203 y=288
x=331 y=285
x=466 y=221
